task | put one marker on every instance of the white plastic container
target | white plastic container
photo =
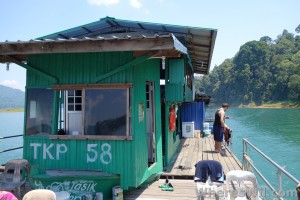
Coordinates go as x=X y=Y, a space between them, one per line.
x=99 y=196
x=205 y=126
x=117 y=193
x=188 y=129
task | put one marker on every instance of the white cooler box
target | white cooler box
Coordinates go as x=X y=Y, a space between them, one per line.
x=188 y=129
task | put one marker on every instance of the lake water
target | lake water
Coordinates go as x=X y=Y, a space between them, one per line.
x=276 y=132
x=11 y=123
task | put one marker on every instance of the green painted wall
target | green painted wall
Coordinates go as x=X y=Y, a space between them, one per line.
x=147 y=71
x=174 y=93
x=78 y=68
x=175 y=86
x=176 y=71
x=188 y=94
x=172 y=140
x=127 y=158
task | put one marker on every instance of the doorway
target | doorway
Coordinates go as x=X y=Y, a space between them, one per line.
x=150 y=122
x=74 y=112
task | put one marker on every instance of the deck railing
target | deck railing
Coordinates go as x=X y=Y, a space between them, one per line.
x=11 y=149
x=248 y=165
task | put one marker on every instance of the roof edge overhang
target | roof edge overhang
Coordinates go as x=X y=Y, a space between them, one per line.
x=167 y=45
x=199 y=41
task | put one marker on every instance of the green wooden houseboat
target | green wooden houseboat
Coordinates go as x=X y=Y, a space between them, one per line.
x=99 y=98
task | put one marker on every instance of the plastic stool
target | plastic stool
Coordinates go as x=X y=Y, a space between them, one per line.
x=241 y=177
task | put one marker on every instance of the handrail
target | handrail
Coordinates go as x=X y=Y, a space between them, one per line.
x=6 y=150
x=280 y=170
x=265 y=180
x=11 y=149
x=10 y=136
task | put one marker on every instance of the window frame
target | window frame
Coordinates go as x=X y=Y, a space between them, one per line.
x=84 y=87
x=33 y=113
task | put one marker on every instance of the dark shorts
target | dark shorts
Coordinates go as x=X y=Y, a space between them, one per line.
x=218 y=133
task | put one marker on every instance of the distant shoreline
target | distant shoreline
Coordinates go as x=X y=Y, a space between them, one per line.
x=273 y=105
x=12 y=110
x=284 y=104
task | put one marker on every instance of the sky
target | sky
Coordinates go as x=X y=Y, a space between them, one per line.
x=237 y=21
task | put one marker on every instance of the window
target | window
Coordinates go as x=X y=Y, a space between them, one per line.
x=106 y=112
x=95 y=110
x=74 y=100
x=39 y=111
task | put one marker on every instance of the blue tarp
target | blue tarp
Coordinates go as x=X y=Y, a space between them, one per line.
x=193 y=112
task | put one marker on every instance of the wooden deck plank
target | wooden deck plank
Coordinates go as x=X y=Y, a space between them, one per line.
x=191 y=151
x=228 y=162
x=210 y=149
x=222 y=159
x=235 y=162
x=171 y=169
x=183 y=189
x=194 y=150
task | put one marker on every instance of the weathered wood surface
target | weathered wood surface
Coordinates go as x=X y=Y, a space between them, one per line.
x=193 y=150
x=183 y=190
x=181 y=171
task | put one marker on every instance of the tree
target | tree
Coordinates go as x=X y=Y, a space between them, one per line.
x=298 y=29
x=282 y=73
x=261 y=71
x=252 y=68
x=294 y=87
x=266 y=39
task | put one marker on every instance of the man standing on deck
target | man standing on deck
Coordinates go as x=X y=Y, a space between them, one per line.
x=219 y=126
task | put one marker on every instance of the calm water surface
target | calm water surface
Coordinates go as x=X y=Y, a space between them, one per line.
x=276 y=132
x=11 y=123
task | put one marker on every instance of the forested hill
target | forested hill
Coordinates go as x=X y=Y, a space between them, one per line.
x=261 y=71
x=11 y=98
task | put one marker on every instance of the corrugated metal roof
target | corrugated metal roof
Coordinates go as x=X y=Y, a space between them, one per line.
x=198 y=41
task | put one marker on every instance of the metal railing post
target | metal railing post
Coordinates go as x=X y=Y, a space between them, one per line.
x=280 y=170
x=279 y=182
x=244 y=152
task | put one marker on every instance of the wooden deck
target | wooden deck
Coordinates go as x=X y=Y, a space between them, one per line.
x=181 y=171
x=193 y=150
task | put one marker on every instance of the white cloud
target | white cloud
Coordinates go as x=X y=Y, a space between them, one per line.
x=13 y=84
x=103 y=2
x=136 y=3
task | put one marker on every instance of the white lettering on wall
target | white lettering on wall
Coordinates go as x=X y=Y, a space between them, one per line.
x=46 y=151
x=91 y=149
x=60 y=148
x=35 y=148
x=94 y=152
x=77 y=188
x=105 y=154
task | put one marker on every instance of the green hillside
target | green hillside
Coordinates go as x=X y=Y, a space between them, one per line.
x=11 y=98
x=261 y=72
